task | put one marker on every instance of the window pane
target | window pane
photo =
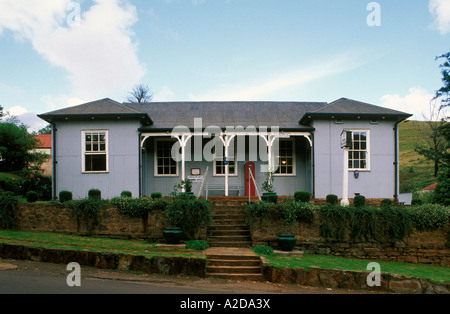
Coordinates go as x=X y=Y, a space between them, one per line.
x=166 y=165
x=95 y=163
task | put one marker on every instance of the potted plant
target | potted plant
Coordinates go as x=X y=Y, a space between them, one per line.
x=286 y=242
x=187 y=187
x=173 y=235
x=269 y=195
x=289 y=213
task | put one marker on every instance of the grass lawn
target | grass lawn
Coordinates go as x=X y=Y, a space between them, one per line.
x=144 y=248
x=434 y=273
x=74 y=242
x=415 y=171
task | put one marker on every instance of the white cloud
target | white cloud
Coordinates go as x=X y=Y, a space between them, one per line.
x=440 y=9
x=165 y=94
x=417 y=102
x=99 y=54
x=16 y=111
x=278 y=82
x=55 y=103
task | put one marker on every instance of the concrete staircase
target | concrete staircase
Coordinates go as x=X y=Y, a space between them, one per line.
x=233 y=264
x=229 y=255
x=229 y=228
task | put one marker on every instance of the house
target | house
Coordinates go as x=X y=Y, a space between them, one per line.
x=45 y=146
x=226 y=148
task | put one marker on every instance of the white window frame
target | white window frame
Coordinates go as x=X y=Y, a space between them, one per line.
x=84 y=153
x=294 y=159
x=367 y=150
x=155 y=158
x=236 y=163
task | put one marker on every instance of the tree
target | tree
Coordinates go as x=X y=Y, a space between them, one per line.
x=444 y=92
x=17 y=147
x=437 y=144
x=140 y=94
x=433 y=144
x=45 y=130
x=442 y=193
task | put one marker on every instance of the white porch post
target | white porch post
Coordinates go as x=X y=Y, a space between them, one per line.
x=345 y=201
x=226 y=140
x=269 y=141
x=183 y=139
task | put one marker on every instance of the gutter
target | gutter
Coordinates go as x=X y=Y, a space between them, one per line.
x=397 y=160
x=54 y=161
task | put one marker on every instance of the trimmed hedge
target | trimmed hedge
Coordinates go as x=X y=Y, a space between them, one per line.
x=302 y=196
x=65 y=196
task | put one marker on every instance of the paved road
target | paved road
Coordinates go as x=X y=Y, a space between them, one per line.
x=25 y=277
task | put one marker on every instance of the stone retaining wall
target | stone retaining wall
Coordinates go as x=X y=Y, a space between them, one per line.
x=352 y=280
x=185 y=266
x=58 y=218
x=420 y=248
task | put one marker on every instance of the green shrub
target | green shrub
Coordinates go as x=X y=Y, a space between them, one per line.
x=95 y=194
x=416 y=202
x=8 y=202
x=131 y=207
x=302 y=196
x=37 y=183
x=158 y=204
x=332 y=199
x=10 y=185
x=365 y=223
x=293 y=211
x=87 y=210
x=270 y=198
x=386 y=202
x=189 y=214
x=156 y=195
x=65 y=196
x=126 y=194
x=263 y=250
x=32 y=196
x=197 y=245
x=442 y=192
x=429 y=217
x=359 y=201
x=289 y=211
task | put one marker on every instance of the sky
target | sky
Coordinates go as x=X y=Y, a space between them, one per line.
x=56 y=54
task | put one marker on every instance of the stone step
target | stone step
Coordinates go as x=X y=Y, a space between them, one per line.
x=229 y=221
x=233 y=269
x=229 y=238
x=233 y=244
x=234 y=262
x=224 y=227
x=228 y=217
x=228 y=232
x=242 y=277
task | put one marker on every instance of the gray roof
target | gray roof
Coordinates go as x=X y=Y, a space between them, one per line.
x=285 y=115
x=164 y=116
x=103 y=108
x=345 y=107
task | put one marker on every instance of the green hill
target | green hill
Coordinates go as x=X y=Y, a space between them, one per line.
x=415 y=171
